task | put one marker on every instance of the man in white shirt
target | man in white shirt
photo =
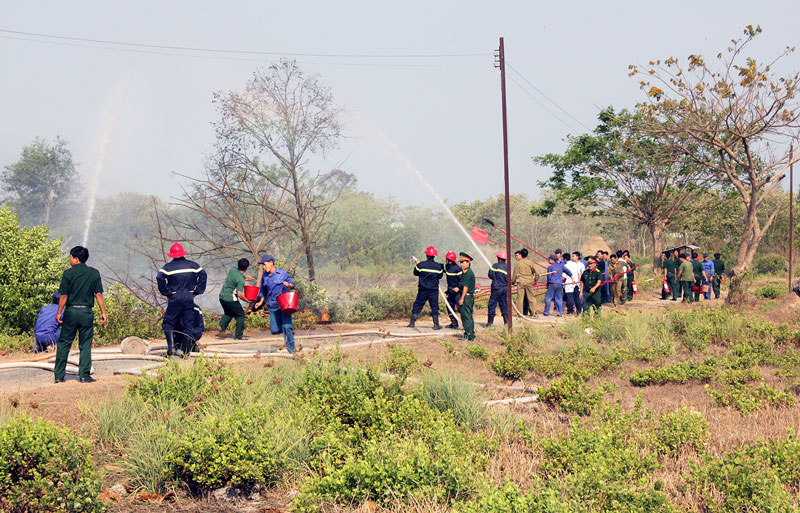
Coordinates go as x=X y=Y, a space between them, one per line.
x=572 y=286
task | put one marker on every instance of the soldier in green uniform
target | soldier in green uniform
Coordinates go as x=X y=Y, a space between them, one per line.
x=686 y=278
x=80 y=287
x=675 y=285
x=669 y=270
x=699 y=275
x=719 y=268
x=592 y=279
x=467 y=300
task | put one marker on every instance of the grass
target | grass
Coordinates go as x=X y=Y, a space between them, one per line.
x=16 y=343
x=446 y=391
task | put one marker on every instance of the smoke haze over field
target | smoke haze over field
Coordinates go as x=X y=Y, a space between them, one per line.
x=442 y=112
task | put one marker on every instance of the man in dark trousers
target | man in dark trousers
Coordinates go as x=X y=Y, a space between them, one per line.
x=719 y=268
x=498 y=273
x=80 y=287
x=430 y=272
x=229 y=295
x=592 y=282
x=274 y=282
x=699 y=276
x=466 y=300
x=180 y=280
x=555 y=286
x=453 y=274
x=46 y=330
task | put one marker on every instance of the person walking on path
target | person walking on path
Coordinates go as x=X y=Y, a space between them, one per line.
x=80 y=287
x=632 y=275
x=430 y=272
x=686 y=278
x=498 y=273
x=229 y=295
x=180 y=281
x=675 y=285
x=46 y=331
x=452 y=272
x=592 y=282
x=572 y=288
x=467 y=300
x=524 y=276
x=275 y=282
x=699 y=276
x=613 y=271
x=719 y=269
x=555 y=284
x=708 y=276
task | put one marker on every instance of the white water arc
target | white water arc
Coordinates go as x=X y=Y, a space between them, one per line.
x=103 y=139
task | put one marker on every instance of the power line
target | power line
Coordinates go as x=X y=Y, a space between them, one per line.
x=244 y=52
x=542 y=105
x=547 y=97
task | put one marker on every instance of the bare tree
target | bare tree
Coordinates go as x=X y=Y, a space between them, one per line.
x=735 y=118
x=290 y=116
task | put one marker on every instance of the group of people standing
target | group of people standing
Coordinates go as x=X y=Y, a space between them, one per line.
x=686 y=275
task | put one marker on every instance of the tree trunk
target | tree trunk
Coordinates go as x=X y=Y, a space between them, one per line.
x=748 y=246
x=301 y=218
x=657 y=242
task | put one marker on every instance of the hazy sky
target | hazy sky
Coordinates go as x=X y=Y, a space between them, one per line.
x=442 y=113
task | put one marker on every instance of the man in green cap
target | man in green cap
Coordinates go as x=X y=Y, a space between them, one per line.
x=467 y=300
x=592 y=280
x=699 y=276
x=80 y=287
x=229 y=295
x=719 y=269
x=686 y=278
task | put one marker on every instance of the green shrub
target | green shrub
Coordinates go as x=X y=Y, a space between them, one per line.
x=477 y=351
x=16 y=343
x=128 y=316
x=772 y=291
x=401 y=361
x=680 y=373
x=448 y=392
x=201 y=381
x=236 y=448
x=380 y=304
x=45 y=468
x=30 y=272
x=513 y=364
x=748 y=399
x=572 y=395
x=679 y=429
x=770 y=264
x=581 y=361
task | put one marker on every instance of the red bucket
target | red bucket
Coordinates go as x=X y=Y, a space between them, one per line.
x=695 y=288
x=288 y=302
x=251 y=292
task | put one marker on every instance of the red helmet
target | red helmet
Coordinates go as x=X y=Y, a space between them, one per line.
x=451 y=255
x=502 y=254
x=176 y=251
x=431 y=251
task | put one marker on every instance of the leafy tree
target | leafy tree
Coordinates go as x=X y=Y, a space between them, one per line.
x=40 y=181
x=736 y=118
x=30 y=271
x=289 y=116
x=621 y=172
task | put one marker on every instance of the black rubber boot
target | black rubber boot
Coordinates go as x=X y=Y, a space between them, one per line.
x=505 y=320
x=490 y=321
x=453 y=323
x=171 y=349
x=413 y=322
x=436 y=323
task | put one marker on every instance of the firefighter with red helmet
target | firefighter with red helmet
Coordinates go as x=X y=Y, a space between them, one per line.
x=180 y=280
x=430 y=272
x=498 y=273
x=453 y=273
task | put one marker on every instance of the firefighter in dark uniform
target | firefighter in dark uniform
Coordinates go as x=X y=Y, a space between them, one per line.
x=498 y=273
x=80 y=287
x=187 y=335
x=180 y=280
x=429 y=272
x=453 y=273
x=592 y=281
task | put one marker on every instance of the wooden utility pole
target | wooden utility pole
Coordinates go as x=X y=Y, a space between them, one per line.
x=500 y=62
x=791 y=212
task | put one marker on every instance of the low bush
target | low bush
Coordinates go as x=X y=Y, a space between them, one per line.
x=679 y=429
x=128 y=316
x=772 y=291
x=380 y=304
x=680 y=373
x=45 y=468
x=16 y=343
x=770 y=264
x=514 y=363
x=477 y=351
x=583 y=361
x=748 y=399
x=572 y=395
x=447 y=392
x=401 y=361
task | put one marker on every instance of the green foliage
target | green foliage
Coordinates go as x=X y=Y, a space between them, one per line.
x=128 y=316
x=477 y=351
x=772 y=291
x=16 y=343
x=30 y=271
x=448 y=392
x=237 y=448
x=514 y=363
x=199 y=381
x=582 y=361
x=679 y=429
x=572 y=395
x=748 y=399
x=401 y=361
x=45 y=468
x=380 y=304
x=680 y=373
x=770 y=264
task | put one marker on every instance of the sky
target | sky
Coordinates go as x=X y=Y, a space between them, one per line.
x=415 y=79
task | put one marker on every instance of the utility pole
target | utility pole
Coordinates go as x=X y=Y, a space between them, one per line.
x=791 y=212
x=500 y=62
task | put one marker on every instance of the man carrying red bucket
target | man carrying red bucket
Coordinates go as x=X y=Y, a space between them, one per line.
x=232 y=291
x=274 y=283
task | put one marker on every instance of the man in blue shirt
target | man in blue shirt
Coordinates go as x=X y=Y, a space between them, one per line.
x=555 y=283
x=708 y=277
x=274 y=283
x=47 y=330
